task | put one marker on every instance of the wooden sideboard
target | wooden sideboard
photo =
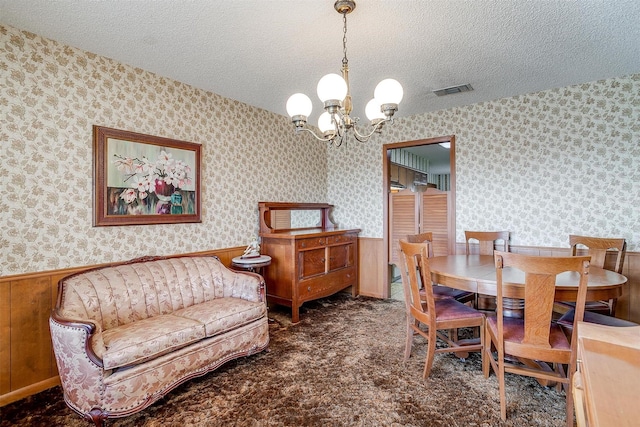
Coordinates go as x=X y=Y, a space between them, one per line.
x=307 y=263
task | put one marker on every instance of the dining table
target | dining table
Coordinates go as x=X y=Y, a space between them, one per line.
x=477 y=273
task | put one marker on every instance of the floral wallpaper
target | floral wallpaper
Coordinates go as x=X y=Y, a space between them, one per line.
x=50 y=97
x=542 y=165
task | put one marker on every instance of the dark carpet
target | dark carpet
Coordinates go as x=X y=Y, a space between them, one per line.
x=341 y=365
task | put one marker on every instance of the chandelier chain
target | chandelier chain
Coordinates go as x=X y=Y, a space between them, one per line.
x=345 y=61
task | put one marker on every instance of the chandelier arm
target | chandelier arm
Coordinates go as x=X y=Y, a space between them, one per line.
x=314 y=134
x=359 y=137
x=340 y=129
x=364 y=137
x=337 y=142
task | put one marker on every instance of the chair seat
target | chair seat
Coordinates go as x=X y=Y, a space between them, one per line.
x=513 y=329
x=601 y=307
x=450 y=309
x=440 y=292
x=566 y=321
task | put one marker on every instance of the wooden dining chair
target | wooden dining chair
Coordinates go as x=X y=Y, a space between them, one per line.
x=487 y=242
x=439 y=292
x=484 y=243
x=535 y=337
x=433 y=314
x=607 y=253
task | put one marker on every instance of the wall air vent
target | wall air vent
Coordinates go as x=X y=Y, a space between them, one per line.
x=453 y=89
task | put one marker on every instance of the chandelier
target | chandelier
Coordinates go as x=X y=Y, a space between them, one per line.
x=336 y=122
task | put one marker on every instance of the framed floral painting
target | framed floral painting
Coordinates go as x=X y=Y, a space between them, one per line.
x=143 y=179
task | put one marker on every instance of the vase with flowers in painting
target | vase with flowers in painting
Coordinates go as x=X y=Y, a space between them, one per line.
x=163 y=191
x=164 y=177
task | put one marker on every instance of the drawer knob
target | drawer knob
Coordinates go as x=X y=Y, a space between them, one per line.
x=322 y=259
x=308 y=288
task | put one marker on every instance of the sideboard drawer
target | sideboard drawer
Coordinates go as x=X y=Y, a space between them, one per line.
x=315 y=242
x=321 y=286
x=342 y=238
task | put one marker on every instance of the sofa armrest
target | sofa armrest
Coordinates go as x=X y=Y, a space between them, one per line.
x=72 y=336
x=81 y=370
x=246 y=285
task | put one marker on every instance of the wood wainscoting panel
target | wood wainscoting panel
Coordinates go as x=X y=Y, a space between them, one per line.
x=30 y=336
x=629 y=304
x=5 y=337
x=27 y=362
x=371 y=272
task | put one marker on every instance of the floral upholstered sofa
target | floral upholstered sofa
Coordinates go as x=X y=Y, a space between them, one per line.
x=126 y=334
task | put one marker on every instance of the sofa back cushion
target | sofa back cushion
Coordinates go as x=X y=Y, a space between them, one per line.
x=117 y=295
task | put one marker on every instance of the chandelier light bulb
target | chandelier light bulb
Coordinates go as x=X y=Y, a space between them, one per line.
x=373 y=111
x=388 y=91
x=325 y=124
x=332 y=86
x=299 y=104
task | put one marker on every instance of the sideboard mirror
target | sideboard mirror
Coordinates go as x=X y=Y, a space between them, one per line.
x=281 y=216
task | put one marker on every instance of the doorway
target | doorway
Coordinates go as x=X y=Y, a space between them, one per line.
x=417 y=194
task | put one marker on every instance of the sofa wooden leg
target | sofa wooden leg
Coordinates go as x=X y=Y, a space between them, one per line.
x=97 y=417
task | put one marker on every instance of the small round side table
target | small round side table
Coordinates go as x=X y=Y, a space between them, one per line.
x=254 y=265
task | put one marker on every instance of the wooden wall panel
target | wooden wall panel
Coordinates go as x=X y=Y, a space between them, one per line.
x=629 y=304
x=371 y=271
x=5 y=337
x=30 y=337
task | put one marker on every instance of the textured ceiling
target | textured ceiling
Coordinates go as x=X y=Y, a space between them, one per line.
x=262 y=51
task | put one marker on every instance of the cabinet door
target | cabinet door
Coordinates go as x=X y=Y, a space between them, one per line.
x=435 y=218
x=403 y=220
x=340 y=257
x=312 y=262
x=412 y=213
